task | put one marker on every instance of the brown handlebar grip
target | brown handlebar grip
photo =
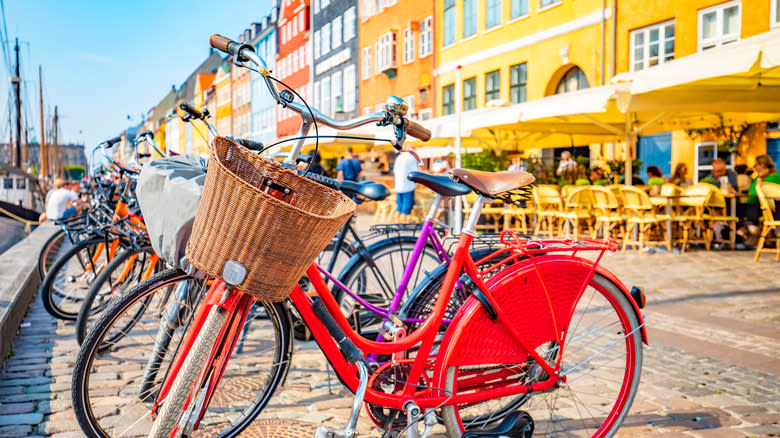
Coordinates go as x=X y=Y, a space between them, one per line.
x=417 y=130
x=219 y=42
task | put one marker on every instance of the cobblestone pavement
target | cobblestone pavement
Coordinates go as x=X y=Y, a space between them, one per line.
x=711 y=369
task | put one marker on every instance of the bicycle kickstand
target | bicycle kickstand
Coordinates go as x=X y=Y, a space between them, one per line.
x=350 y=431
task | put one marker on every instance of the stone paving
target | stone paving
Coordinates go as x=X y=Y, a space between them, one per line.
x=711 y=369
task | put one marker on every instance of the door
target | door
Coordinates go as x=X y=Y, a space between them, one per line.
x=655 y=150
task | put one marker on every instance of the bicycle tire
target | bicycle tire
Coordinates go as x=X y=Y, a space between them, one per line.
x=49 y=252
x=65 y=286
x=170 y=410
x=90 y=310
x=131 y=346
x=375 y=273
x=552 y=411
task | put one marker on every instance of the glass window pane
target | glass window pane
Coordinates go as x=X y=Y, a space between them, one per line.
x=730 y=23
x=669 y=31
x=708 y=29
x=638 y=66
x=654 y=33
x=669 y=49
x=639 y=54
x=639 y=38
x=519 y=7
x=654 y=50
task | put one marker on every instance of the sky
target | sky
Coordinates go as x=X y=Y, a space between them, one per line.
x=104 y=61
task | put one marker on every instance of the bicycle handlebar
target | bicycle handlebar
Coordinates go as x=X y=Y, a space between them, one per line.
x=192 y=111
x=108 y=144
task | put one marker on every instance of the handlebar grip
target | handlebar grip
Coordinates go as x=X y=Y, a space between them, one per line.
x=249 y=144
x=191 y=110
x=219 y=42
x=417 y=130
x=145 y=134
x=113 y=141
x=324 y=180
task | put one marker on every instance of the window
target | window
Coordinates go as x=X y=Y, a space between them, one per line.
x=294 y=28
x=544 y=3
x=774 y=13
x=425 y=114
x=408 y=45
x=316 y=99
x=8 y=183
x=365 y=11
x=295 y=61
x=316 y=44
x=301 y=21
x=492 y=85
x=426 y=27
x=519 y=8
x=349 y=24
x=366 y=63
x=336 y=32
x=518 y=75
x=448 y=100
x=719 y=25
x=316 y=6
x=410 y=106
x=470 y=94
x=574 y=79
x=325 y=40
x=492 y=13
x=386 y=56
x=449 y=22
x=350 y=89
x=325 y=3
x=325 y=96
x=652 y=45
x=337 y=85
x=469 y=18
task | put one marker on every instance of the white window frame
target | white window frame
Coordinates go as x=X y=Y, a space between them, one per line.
x=426 y=29
x=336 y=28
x=349 y=24
x=366 y=110
x=316 y=6
x=500 y=15
x=350 y=88
x=408 y=45
x=337 y=90
x=387 y=51
x=707 y=168
x=410 y=106
x=294 y=28
x=720 y=39
x=295 y=61
x=316 y=98
x=325 y=40
x=301 y=22
x=774 y=19
x=366 y=63
x=661 y=27
x=425 y=114
x=325 y=104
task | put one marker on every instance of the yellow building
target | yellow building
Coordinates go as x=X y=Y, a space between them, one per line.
x=223 y=90
x=201 y=134
x=502 y=52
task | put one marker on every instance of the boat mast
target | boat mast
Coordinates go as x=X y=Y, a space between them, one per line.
x=17 y=82
x=44 y=164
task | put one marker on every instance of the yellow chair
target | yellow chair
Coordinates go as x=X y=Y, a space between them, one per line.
x=608 y=213
x=716 y=212
x=490 y=212
x=768 y=210
x=576 y=212
x=385 y=209
x=642 y=220
x=516 y=218
x=567 y=189
x=547 y=202
x=694 y=216
x=615 y=189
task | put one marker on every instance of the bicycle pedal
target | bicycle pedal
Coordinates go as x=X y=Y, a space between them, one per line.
x=518 y=424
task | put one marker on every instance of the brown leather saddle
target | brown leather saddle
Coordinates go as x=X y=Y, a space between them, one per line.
x=493 y=184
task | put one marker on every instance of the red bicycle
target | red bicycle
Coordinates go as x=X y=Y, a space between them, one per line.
x=551 y=344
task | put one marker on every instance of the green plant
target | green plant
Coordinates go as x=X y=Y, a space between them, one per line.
x=618 y=167
x=729 y=137
x=487 y=160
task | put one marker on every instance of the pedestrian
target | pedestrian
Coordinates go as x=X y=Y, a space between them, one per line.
x=349 y=168
x=404 y=189
x=61 y=202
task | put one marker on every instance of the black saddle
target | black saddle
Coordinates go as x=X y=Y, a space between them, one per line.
x=371 y=190
x=440 y=184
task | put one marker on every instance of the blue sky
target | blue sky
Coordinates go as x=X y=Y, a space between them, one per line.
x=104 y=60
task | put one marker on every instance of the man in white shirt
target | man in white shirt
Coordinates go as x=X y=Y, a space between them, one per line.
x=61 y=202
x=404 y=189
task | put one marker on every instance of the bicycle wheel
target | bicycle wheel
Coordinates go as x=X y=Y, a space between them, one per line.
x=134 y=341
x=602 y=361
x=57 y=244
x=125 y=271
x=376 y=273
x=67 y=282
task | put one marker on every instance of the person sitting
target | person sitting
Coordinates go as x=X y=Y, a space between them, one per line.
x=596 y=177
x=680 y=176
x=635 y=180
x=719 y=171
x=62 y=201
x=765 y=171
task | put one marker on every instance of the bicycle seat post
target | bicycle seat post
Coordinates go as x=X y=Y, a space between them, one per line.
x=474 y=216
x=434 y=208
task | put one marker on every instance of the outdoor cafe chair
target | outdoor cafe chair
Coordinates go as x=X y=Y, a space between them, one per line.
x=576 y=215
x=516 y=218
x=716 y=212
x=615 y=189
x=547 y=202
x=694 y=217
x=642 y=220
x=491 y=213
x=768 y=198
x=608 y=213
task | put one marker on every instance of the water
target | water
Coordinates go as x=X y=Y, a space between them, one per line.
x=11 y=232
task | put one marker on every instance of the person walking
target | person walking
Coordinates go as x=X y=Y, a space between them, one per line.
x=349 y=168
x=404 y=189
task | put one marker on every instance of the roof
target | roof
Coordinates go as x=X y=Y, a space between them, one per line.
x=187 y=89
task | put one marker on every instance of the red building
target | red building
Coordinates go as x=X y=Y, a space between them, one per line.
x=294 y=61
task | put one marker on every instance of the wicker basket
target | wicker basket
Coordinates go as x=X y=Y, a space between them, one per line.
x=244 y=217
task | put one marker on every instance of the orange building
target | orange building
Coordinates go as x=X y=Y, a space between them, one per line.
x=396 y=55
x=223 y=99
x=294 y=61
x=199 y=139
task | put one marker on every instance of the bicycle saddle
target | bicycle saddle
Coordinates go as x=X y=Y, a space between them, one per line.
x=367 y=189
x=440 y=184
x=492 y=184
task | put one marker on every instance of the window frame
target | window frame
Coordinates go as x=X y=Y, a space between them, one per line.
x=471 y=17
x=451 y=8
x=521 y=85
x=662 y=55
x=495 y=93
x=511 y=10
x=469 y=101
x=499 y=7
x=365 y=66
x=549 y=4
x=448 y=105
x=774 y=17
x=425 y=36
x=337 y=37
x=720 y=40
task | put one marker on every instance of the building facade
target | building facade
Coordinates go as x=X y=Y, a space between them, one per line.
x=265 y=42
x=335 y=51
x=223 y=97
x=203 y=84
x=294 y=61
x=397 y=55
